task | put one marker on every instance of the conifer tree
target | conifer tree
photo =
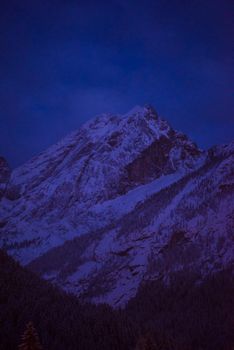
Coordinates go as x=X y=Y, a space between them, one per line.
x=147 y=343
x=161 y=342
x=30 y=339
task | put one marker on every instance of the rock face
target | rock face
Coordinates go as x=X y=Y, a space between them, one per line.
x=5 y=174
x=123 y=199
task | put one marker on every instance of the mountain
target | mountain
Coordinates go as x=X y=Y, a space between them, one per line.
x=122 y=200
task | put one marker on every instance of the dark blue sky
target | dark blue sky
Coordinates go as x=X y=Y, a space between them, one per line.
x=62 y=62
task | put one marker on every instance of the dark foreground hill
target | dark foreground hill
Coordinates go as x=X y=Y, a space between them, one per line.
x=180 y=316
x=61 y=321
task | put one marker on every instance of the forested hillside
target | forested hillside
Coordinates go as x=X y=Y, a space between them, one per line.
x=179 y=316
x=61 y=321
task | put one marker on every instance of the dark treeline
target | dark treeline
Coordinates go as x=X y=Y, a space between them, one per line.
x=182 y=316
x=61 y=321
x=187 y=315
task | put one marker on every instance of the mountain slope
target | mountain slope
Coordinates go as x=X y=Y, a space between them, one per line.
x=121 y=200
x=187 y=225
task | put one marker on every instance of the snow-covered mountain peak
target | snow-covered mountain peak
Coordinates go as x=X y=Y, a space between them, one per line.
x=105 y=158
x=101 y=125
x=142 y=111
x=134 y=120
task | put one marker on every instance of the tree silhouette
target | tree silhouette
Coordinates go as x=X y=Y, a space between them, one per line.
x=146 y=343
x=30 y=339
x=160 y=342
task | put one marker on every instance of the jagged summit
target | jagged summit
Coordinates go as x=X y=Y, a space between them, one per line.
x=106 y=123
x=109 y=142
x=142 y=111
x=120 y=200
